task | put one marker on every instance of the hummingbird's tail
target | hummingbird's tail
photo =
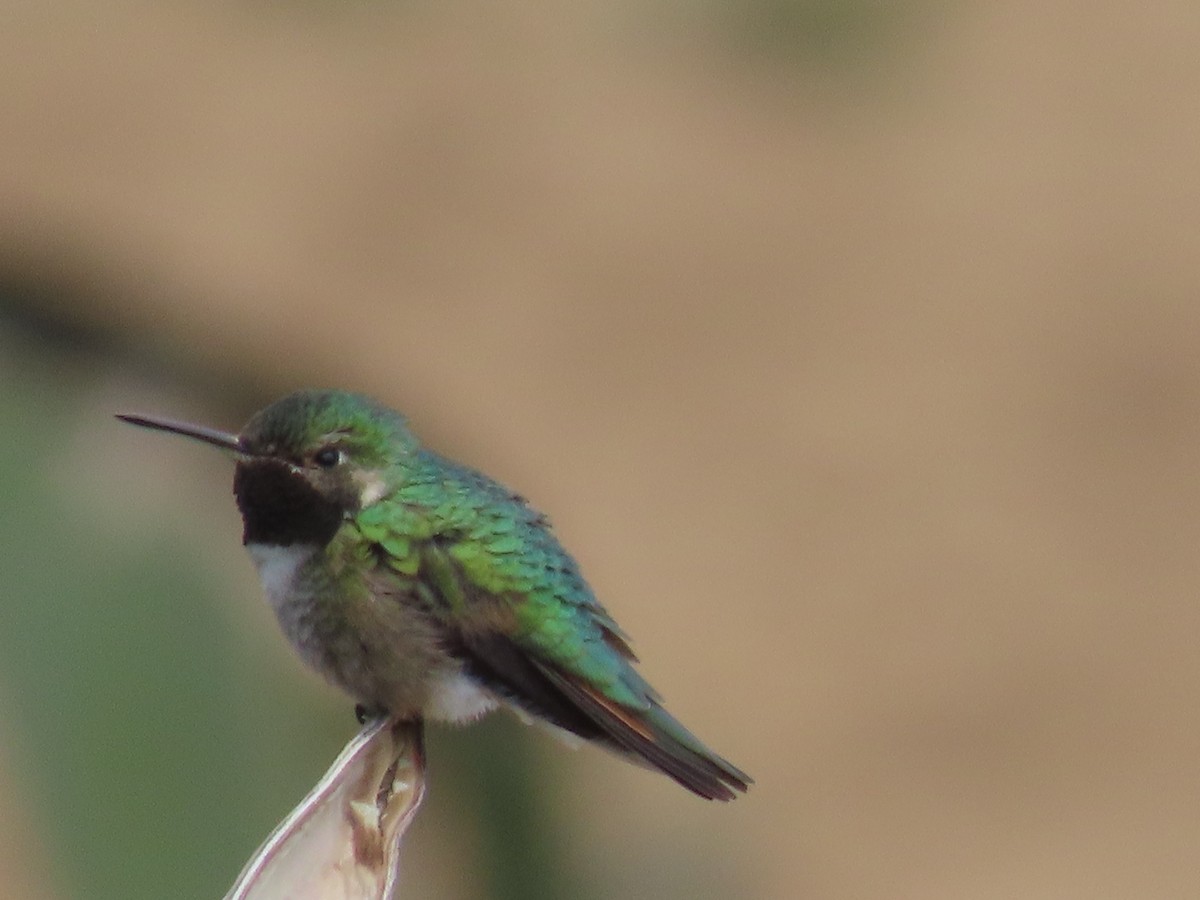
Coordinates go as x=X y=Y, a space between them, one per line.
x=645 y=733
x=655 y=737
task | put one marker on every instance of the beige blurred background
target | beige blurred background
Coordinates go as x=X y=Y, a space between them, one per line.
x=854 y=350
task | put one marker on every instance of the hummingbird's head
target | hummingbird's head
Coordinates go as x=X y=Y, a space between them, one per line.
x=312 y=459
x=307 y=462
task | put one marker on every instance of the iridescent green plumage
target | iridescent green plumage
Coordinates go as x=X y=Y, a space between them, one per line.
x=423 y=587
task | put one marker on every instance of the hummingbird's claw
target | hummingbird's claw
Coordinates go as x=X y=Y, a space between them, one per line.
x=365 y=713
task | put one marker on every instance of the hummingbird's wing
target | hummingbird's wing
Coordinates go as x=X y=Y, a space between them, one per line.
x=543 y=642
x=516 y=610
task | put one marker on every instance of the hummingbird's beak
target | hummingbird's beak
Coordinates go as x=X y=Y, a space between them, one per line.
x=222 y=439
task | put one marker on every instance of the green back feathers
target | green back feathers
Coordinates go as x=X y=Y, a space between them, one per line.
x=485 y=551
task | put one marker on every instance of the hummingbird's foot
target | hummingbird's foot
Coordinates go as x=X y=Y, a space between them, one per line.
x=365 y=713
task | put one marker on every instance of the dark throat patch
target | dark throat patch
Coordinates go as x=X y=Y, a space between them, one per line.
x=279 y=507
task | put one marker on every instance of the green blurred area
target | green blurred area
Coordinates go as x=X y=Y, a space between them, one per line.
x=150 y=749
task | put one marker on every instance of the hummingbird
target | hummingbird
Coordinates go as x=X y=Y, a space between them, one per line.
x=428 y=591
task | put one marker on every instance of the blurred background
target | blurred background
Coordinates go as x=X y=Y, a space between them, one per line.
x=853 y=347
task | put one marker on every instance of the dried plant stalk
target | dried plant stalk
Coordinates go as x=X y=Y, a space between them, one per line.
x=343 y=841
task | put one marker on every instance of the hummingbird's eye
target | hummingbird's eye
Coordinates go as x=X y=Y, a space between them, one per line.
x=328 y=457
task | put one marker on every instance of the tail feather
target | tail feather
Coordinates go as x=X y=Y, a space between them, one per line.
x=657 y=738
x=649 y=735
